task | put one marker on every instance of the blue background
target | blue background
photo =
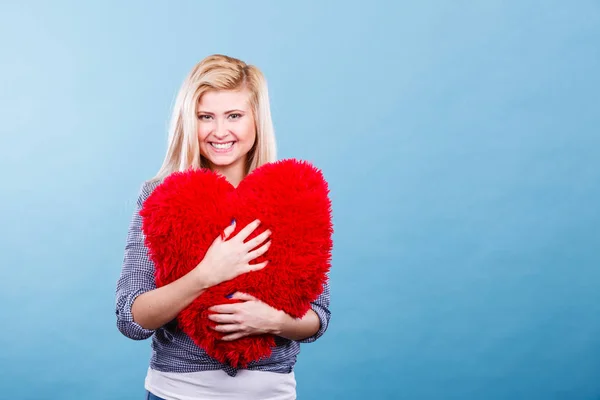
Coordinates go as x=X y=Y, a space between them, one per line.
x=460 y=139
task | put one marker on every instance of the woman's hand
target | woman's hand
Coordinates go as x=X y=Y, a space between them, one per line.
x=227 y=257
x=250 y=317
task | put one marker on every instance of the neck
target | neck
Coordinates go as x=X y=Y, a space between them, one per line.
x=233 y=173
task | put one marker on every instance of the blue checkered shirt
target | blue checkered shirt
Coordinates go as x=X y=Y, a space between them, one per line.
x=172 y=349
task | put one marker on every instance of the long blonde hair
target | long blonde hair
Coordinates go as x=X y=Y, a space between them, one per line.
x=217 y=72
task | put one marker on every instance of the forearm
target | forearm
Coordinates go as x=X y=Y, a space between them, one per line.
x=297 y=329
x=157 y=307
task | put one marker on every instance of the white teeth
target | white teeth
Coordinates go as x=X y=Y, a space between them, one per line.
x=222 y=145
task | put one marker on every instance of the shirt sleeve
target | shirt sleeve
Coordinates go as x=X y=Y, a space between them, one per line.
x=321 y=307
x=137 y=274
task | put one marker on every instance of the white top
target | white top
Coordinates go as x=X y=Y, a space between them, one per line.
x=246 y=385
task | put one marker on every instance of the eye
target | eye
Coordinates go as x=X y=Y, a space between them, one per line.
x=204 y=117
x=235 y=116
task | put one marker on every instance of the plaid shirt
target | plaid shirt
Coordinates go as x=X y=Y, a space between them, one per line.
x=172 y=349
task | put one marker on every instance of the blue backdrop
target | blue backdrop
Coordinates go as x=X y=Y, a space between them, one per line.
x=460 y=139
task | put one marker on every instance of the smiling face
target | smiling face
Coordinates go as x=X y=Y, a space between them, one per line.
x=226 y=131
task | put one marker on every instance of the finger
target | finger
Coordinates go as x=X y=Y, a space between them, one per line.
x=234 y=336
x=247 y=230
x=228 y=231
x=251 y=244
x=258 y=252
x=228 y=328
x=224 y=308
x=243 y=296
x=256 y=267
x=223 y=318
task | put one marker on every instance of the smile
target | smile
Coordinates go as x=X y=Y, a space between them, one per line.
x=222 y=146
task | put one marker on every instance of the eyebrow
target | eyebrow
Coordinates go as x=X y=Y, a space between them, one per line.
x=226 y=112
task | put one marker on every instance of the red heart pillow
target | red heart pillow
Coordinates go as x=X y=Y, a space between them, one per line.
x=188 y=210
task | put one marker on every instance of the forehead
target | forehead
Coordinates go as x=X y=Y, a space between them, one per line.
x=223 y=100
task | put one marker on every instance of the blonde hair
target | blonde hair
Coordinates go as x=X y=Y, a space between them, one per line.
x=217 y=72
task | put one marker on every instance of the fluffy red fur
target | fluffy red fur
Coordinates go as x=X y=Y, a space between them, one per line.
x=188 y=210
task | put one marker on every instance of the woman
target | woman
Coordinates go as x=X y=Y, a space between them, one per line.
x=222 y=121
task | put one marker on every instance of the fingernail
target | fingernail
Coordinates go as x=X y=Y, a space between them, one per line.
x=229 y=295
x=233 y=221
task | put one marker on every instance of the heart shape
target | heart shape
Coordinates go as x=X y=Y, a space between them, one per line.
x=188 y=210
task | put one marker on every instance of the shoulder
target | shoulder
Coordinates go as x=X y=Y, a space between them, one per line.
x=149 y=186
x=146 y=189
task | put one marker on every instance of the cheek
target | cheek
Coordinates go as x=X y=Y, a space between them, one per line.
x=249 y=132
x=202 y=132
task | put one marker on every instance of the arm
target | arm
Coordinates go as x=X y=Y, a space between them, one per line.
x=297 y=329
x=253 y=317
x=141 y=308
x=320 y=309
x=155 y=308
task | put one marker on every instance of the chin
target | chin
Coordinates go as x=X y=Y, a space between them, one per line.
x=223 y=161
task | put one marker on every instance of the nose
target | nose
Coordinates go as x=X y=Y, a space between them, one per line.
x=220 y=131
